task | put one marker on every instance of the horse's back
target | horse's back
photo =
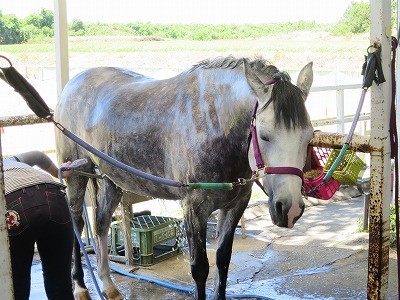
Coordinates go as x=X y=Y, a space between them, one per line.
x=88 y=85
x=99 y=98
x=118 y=112
x=79 y=99
x=172 y=128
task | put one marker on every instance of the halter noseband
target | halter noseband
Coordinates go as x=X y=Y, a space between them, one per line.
x=257 y=153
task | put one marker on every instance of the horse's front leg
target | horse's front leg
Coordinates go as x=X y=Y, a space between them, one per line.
x=196 y=229
x=110 y=291
x=109 y=198
x=227 y=221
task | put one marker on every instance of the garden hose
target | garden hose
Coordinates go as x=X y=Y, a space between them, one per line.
x=372 y=71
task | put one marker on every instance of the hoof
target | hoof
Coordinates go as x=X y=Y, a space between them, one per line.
x=82 y=295
x=112 y=294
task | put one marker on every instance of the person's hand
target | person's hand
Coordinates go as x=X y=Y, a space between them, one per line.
x=66 y=173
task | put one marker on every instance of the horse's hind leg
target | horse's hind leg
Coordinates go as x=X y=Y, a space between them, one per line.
x=109 y=198
x=227 y=221
x=76 y=187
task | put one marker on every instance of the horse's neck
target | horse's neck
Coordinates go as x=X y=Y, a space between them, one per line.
x=237 y=100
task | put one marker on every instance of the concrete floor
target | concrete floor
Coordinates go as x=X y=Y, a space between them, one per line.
x=322 y=257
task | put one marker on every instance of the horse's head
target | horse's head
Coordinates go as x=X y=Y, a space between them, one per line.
x=283 y=133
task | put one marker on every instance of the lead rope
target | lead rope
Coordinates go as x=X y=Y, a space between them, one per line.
x=36 y=103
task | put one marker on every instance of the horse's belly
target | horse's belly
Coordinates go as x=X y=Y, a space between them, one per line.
x=144 y=187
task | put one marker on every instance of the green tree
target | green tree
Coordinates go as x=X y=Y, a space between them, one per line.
x=10 y=30
x=77 y=27
x=44 y=21
x=357 y=17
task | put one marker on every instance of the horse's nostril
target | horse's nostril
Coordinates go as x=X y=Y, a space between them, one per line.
x=279 y=209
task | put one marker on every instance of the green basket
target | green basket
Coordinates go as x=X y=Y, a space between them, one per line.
x=155 y=238
x=348 y=169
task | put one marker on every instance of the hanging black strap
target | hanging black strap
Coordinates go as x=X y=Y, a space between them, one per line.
x=372 y=68
x=25 y=89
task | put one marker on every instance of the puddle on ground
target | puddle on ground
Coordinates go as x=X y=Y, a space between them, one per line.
x=276 y=288
x=142 y=290
x=279 y=287
x=37 y=288
x=129 y=287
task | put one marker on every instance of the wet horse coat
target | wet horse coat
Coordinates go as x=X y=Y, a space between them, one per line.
x=190 y=128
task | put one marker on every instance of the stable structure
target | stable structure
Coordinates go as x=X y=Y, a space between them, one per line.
x=377 y=144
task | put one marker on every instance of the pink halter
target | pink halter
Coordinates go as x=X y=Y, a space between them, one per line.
x=257 y=153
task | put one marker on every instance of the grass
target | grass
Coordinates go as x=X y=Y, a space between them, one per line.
x=134 y=44
x=392 y=226
x=288 y=51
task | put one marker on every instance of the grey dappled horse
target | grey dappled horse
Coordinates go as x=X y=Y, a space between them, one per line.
x=190 y=128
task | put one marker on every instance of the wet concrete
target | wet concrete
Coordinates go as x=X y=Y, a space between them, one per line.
x=322 y=257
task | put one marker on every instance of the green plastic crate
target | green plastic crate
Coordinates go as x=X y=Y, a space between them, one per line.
x=348 y=169
x=154 y=238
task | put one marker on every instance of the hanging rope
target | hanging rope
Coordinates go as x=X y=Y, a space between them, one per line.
x=372 y=72
x=394 y=154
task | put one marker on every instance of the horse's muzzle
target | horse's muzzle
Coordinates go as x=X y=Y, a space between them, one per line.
x=284 y=215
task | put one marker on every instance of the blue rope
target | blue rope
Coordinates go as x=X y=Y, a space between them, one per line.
x=115 y=162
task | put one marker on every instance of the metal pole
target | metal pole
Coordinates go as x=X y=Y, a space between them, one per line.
x=380 y=196
x=61 y=39
x=6 y=285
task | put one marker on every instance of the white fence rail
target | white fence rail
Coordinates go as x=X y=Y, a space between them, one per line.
x=341 y=119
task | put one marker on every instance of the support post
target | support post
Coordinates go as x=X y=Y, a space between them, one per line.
x=6 y=285
x=61 y=40
x=380 y=196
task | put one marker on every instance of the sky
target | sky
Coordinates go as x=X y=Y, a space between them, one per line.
x=188 y=11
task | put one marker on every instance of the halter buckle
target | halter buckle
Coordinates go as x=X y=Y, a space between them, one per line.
x=241 y=181
x=256 y=173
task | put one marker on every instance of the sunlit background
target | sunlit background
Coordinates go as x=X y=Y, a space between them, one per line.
x=189 y=11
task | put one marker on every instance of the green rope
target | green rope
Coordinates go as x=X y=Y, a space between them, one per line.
x=335 y=164
x=209 y=186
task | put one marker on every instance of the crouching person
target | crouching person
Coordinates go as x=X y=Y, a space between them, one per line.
x=37 y=212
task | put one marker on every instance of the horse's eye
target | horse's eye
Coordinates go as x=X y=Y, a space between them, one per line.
x=265 y=138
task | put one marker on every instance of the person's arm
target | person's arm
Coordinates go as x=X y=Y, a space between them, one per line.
x=38 y=158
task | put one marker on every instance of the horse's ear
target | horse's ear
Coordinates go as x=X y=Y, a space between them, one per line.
x=253 y=80
x=305 y=79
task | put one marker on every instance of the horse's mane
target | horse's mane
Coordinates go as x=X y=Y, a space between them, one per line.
x=288 y=98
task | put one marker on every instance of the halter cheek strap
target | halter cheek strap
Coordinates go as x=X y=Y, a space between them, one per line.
x=252 y=138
